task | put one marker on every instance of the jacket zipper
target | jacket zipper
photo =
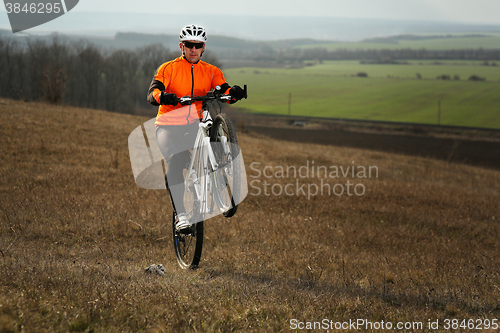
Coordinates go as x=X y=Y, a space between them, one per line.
x=192 y=92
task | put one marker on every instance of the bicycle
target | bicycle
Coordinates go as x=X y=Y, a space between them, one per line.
x=213 y=180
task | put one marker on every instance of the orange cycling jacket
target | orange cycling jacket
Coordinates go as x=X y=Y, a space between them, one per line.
x=182 y=78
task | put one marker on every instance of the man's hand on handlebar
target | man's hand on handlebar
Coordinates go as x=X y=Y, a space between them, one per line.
x=168 y=99
x=236 y=93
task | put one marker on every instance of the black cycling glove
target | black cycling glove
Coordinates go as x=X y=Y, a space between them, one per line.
x=168 y=99
x=237 y=93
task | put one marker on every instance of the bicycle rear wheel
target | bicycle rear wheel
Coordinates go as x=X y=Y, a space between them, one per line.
x=188 y=246
x=226 y=178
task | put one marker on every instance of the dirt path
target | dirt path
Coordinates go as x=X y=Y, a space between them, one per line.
x=472 y=152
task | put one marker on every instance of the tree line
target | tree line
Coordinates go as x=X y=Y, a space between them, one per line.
x=80 y=73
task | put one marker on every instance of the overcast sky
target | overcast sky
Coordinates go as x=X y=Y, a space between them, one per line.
x=170 y=15
x=467 y=11
x=472 y=11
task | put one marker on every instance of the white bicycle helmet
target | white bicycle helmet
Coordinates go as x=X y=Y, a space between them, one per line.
x=193 y=32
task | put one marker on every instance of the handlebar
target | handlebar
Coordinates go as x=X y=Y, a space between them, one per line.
x=210 y=96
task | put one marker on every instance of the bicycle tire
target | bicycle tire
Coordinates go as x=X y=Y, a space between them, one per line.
x=188 y=247
x=223 y=126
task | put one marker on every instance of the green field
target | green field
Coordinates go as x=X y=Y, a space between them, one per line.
x=389 y=93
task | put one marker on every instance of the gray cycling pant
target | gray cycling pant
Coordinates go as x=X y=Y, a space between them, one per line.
x=174 y=143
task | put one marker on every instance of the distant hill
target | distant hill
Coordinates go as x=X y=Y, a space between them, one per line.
x=223 y=45
x=398 y=38
x=256 y=28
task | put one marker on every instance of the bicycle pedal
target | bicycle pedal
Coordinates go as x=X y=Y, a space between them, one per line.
x=189 y=231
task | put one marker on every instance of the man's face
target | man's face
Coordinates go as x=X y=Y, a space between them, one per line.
x=190 y=51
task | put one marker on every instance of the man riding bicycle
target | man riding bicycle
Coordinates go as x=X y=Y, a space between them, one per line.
x=176 y=124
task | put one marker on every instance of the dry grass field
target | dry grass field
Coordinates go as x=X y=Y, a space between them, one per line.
x=422 y=243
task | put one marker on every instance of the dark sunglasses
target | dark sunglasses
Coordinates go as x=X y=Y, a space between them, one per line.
x=190 y=45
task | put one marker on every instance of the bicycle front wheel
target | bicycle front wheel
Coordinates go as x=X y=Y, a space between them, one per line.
x=226 y=178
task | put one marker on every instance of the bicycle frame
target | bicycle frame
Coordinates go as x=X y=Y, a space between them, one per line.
x=204 y=158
